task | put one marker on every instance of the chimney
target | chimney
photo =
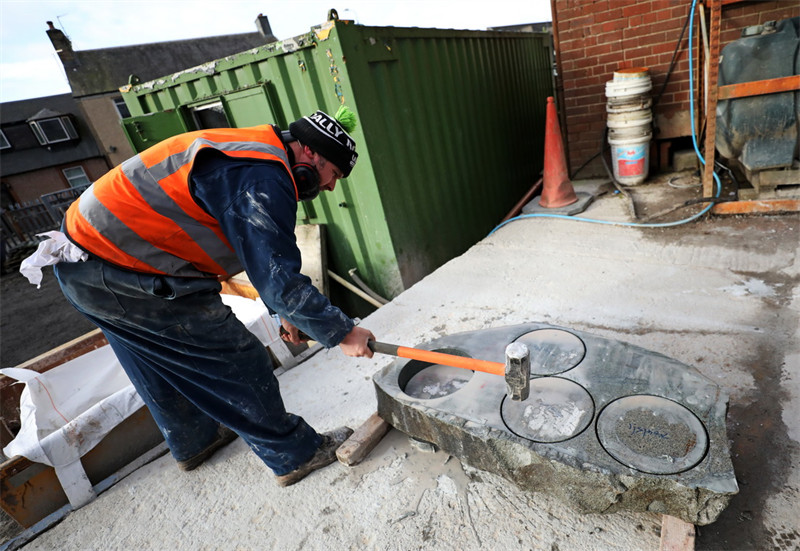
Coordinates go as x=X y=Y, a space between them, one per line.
x=63 y=46
x=262 y=24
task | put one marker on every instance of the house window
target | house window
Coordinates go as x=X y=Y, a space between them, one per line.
x=122 y=109
x=58 y=129
x=211 y=115
x=4 y=141
x=76 y=176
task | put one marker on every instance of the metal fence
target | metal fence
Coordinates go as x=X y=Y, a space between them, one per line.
x=20 y=223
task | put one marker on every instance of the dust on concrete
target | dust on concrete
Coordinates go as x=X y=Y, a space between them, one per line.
x=761 y=447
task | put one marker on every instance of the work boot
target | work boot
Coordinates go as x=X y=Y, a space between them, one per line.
x=324 y=456
x=224 y=437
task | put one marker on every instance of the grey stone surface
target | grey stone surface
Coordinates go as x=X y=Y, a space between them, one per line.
x=619 y=427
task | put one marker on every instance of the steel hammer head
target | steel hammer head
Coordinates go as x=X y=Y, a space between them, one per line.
x=518 y=371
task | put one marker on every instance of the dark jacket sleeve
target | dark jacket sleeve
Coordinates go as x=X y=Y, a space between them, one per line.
x=255 y=204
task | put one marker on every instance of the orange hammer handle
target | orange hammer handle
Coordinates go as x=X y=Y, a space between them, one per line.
x=495 y=368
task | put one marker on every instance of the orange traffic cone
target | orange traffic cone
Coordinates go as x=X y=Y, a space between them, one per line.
x=557 y=190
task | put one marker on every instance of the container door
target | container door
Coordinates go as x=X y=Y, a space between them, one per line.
x=252 y=107
x=147 y=130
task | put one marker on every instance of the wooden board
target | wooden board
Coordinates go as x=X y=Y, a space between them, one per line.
x=362 y=441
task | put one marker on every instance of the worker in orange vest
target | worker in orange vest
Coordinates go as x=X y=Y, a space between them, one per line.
x=161 y=230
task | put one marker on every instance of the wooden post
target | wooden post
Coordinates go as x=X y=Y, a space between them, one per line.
x=362 y=441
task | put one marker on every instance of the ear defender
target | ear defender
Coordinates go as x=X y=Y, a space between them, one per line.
x=305 y=175
x=307 y=179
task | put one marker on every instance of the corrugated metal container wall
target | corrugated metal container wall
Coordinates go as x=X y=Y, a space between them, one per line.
x=454 y=122
x=450 y=135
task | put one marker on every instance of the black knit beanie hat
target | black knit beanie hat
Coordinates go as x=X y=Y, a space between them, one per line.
x=325 y=135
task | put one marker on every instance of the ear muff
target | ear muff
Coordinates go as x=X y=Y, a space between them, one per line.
x=307 y=179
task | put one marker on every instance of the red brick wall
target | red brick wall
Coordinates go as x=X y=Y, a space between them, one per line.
x=28 y=186
x=597 y=37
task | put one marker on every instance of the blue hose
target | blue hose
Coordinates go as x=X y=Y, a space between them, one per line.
x=696 y=150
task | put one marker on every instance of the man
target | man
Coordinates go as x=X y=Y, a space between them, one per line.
x=160 y=231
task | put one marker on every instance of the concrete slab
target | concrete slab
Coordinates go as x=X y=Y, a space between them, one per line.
x=721 y=295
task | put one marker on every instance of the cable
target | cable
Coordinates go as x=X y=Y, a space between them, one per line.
x=696 y=150
x=364 y=287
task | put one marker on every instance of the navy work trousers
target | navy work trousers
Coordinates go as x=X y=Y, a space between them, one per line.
x=193 y=363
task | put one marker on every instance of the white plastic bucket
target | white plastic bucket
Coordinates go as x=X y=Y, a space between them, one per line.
x=628 y=104
x=625 y=88
x=630 y=157
x=629 y=82
x=630 y=132
x=641 y=117
x=634 y=73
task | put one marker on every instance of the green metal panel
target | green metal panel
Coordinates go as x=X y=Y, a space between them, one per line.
x=144 y=131
x=454 y=124
x=450 y=135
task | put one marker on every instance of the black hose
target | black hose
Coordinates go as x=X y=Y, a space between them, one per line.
x=674 y=57
x=620 y=188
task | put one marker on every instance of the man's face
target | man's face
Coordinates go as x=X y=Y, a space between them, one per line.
x=328 y=172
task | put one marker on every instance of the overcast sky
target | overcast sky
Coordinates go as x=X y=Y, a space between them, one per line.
x=29 y=67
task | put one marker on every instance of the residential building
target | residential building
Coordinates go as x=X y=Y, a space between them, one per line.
x=95 y=76
x=45 y=146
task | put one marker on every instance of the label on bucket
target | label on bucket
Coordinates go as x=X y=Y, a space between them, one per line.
x=630 y=160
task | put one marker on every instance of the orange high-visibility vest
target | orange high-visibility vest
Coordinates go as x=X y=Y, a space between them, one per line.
x=141 y=215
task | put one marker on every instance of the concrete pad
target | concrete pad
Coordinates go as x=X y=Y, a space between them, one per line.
x=720 y=295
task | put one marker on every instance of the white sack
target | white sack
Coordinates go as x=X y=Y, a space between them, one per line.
x=67 y=411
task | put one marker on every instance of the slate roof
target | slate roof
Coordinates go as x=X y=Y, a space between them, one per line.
x=26 y=154
x=107 y=69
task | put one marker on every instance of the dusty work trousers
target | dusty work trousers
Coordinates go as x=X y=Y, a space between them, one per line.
x=192 y=362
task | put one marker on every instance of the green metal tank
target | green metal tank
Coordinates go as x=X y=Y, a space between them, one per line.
x=450 y=134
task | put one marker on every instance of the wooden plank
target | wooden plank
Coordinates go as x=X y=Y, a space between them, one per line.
x=362 y=441
x=760 y=87
x=713 y=94
x=241 y=286
x=66 y=352
x=766 y=206
x=676 y=534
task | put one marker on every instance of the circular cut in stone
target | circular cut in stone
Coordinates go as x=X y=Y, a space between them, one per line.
x=553 y=350
x=437 y=381
x=556 y=410
x=652 y=434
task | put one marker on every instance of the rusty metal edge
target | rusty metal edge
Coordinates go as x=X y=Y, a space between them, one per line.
x=59 y=514
x=31 y=491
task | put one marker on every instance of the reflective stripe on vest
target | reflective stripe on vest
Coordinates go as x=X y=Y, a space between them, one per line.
x=144 y=217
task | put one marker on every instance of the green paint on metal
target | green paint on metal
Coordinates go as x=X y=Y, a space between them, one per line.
x=450 y=134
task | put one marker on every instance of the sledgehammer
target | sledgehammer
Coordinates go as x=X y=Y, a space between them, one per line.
x=517 y=369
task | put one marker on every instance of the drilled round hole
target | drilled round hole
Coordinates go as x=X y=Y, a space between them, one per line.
x=427 y=381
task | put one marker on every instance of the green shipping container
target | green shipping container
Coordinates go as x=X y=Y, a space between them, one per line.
x=450 y=134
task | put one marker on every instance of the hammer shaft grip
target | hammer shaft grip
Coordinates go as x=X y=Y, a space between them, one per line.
x=495 y=368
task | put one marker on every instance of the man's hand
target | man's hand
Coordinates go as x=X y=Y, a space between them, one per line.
x=292 y=333
x=355 y=343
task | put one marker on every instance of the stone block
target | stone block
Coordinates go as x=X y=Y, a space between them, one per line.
x=607 y=426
